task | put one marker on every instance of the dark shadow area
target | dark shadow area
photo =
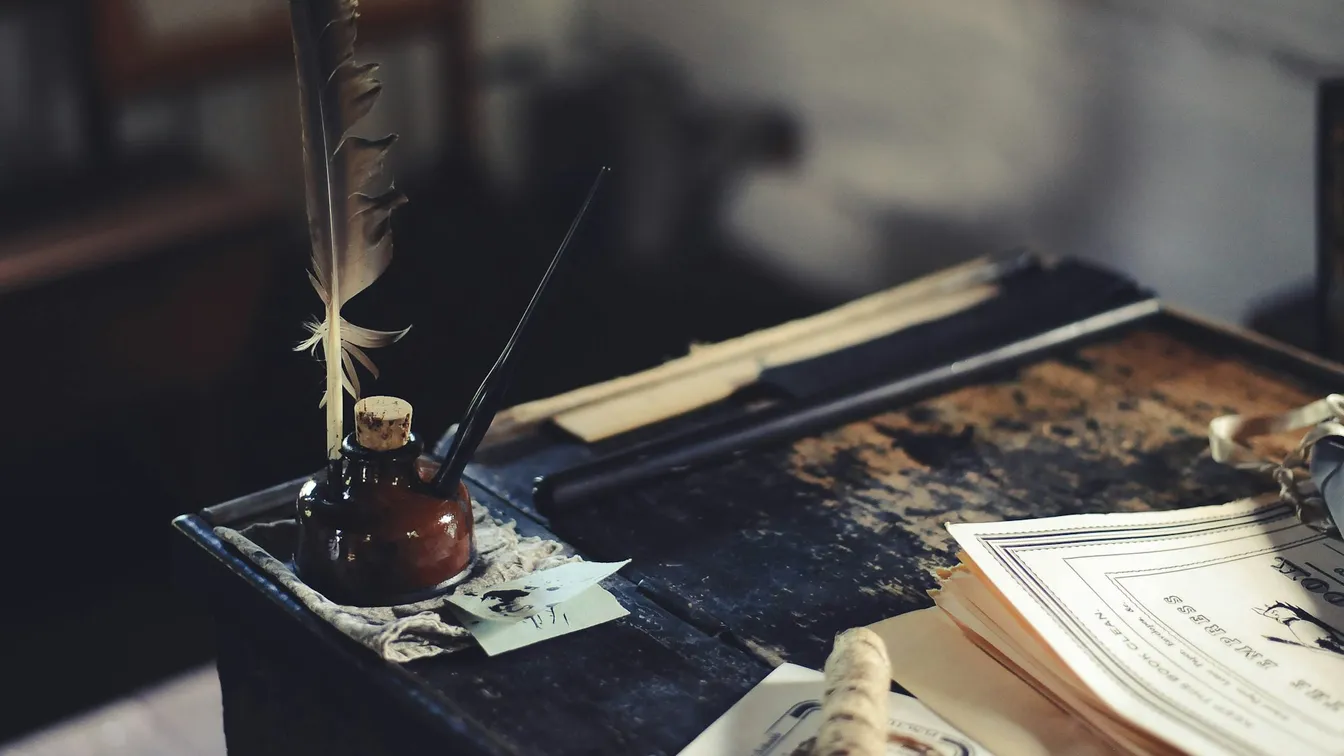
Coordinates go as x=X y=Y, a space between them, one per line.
x=156 y=377
x=152 y=288
x=1292 y=317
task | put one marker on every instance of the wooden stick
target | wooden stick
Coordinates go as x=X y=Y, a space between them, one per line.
x=970 y=283
x=854 y=706
x=719 y=379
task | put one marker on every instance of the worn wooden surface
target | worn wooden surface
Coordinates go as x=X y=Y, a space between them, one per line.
x=782 y=549
x=645 y=683
x=762 y=560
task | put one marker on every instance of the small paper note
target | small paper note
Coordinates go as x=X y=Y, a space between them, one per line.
x=529 y=595
x=592 y=607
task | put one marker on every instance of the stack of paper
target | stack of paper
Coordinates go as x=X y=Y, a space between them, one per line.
x=1209 y=630
x=780 y=716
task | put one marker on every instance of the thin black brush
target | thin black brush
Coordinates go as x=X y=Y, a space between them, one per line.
x=490 y=395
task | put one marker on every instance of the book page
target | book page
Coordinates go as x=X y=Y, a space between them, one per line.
x=781 y=715
x=1216 y=629
x=990 y=626
x=932 y=659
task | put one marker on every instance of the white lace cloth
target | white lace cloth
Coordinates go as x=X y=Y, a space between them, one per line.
x=411 y=631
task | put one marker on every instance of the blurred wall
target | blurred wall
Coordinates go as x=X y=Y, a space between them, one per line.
x=1172 y=139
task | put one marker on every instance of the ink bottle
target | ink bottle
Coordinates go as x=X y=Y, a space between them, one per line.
x=372 y=532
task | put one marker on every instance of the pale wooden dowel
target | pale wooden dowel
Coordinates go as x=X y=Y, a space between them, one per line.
x=854 y=706
x=603 y=409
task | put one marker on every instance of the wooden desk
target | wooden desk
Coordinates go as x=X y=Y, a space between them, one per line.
x=741 y=566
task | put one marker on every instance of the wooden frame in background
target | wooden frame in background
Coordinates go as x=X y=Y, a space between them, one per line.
x=134 y=61
x=1330 y=217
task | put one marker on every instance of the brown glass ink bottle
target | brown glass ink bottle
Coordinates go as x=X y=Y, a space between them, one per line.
x=377 y=534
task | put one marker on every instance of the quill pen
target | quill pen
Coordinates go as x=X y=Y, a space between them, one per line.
x=349 y=193
x=481 y=411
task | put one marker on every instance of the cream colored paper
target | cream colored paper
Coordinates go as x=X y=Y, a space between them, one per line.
x=997 y=631
x=1214 y=629
x=524 y=597
x=933 y=659
x=711 y=372
x=784 y=710
x=1230 y=438
x=590 y=608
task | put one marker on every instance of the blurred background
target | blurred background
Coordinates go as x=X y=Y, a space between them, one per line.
x=770 y=158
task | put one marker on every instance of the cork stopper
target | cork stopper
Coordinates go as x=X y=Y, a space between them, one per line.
x=382 y=423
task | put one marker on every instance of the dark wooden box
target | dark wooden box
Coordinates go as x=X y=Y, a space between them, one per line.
x=741 y=564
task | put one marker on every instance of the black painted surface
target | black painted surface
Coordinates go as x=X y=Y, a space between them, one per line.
x=646 y=683
x=781 y=549
x=852 y=383
x=1329 y=310
x=747 y=564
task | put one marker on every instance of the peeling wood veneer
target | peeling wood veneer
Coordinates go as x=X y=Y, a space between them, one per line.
x=787 y=546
